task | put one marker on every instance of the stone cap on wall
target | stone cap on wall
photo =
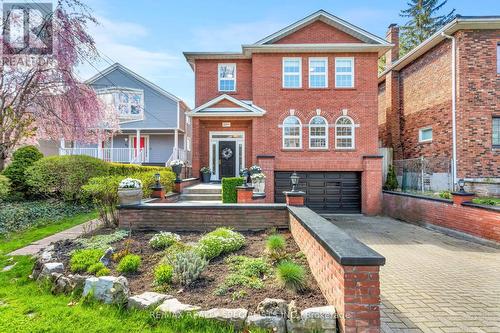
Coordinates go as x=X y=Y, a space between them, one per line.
x=346 y=250
x=188 y=205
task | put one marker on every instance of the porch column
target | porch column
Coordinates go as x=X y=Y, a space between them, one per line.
x=138 y=146
x=62 y=145
x=176 y=144
x=99 y=145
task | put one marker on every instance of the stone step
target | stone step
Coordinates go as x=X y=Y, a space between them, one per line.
x=201 y=197
x=201 y=190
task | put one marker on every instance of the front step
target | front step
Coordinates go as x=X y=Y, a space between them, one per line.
x=202 y=190
x=200 y=197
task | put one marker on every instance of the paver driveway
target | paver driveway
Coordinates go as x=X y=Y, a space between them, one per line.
x=431 y=282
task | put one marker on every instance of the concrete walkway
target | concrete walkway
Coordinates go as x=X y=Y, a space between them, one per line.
x=431 y=282
x=70 y=233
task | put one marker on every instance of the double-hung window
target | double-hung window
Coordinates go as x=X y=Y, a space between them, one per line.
x=344 y=72
x=496 y=132
x=227 y=77
x=292 y=133
x=344 y=133
x=318 y=133
x=292 y=72
x=318 y=72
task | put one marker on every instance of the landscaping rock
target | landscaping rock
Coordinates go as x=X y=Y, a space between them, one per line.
x=236 y=317
x=106 y=257
x=272 y=307
x=108 y=289
x=45 y=270
x=293 y=312
x=61 y=284
x=78 y=281
x=277 y=324
x=146 y=300
x=173 y=306
x=321 y=319
x=9 y=267
x=47 y=254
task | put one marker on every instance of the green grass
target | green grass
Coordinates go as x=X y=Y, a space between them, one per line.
x=18 y=240
x=28 y=307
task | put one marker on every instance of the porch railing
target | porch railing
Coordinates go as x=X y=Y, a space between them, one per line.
x=120 y=155
x=177 y=154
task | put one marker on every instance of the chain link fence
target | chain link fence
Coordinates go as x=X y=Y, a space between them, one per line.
x=424 y=174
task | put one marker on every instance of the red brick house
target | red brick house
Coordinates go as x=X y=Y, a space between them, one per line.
x=448 y=84
x=303 y=99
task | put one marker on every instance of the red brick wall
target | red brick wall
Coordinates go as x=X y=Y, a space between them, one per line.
x=206 y=80
x=354 y=291
x=478 y=101
x=318 y=32
x=474 y=221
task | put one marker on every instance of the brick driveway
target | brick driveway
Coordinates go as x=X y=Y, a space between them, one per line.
x=431 y=282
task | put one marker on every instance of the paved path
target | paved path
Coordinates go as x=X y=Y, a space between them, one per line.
x=431 y=282
x=70 y=233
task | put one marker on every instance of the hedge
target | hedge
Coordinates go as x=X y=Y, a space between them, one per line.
x=229 y=194
x=22 y=159
x=4 y=187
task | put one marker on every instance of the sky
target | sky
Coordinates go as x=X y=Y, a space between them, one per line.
x=149 y=36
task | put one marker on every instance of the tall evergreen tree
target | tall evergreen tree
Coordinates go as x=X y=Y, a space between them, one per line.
x=423 y=22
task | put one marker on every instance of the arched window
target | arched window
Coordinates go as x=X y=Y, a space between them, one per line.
x=292 y=133
x=344 y=133
x=318 y=133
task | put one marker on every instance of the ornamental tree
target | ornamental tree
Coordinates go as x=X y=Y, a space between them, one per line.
x=41 y=97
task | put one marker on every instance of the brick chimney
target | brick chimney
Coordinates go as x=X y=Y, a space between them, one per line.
x=392 y=37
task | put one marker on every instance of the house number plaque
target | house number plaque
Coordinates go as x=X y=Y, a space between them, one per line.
x=226 y=124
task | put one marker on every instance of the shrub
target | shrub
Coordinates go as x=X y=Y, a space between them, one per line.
x=129 y=264
x=445 y=194
x=391 y=182
x=93 y=269
x=4 y=187
x=63 y=176
x=245 y=272
x=22 y=159
x=188 y=266
x=173 y=250
x=229 y=194
x=487 y=201
x=82 y=260
x=120 y=169
x=102 y=242
x=220 y=241
x=291 y=276
x=103 y=272
x=276 y=247
x=163 y=274
x=163 y=240
x=209 y=247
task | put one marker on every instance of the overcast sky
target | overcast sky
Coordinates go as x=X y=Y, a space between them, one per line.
x=149 y=36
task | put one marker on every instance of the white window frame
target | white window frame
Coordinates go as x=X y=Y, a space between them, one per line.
x=188 y=143
x=498 y=58
x=325 y=74
x=291 y=136
x=352 y=136
x=493 y=131
x=318 y=136
x=219 y=78
x=420 y=139
x=344 y=73
x=299 y=74
x=111 y=97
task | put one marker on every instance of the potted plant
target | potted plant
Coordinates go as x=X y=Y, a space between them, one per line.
x=130 y=192
x=205 y=174
x=255 y=169
x=176 y=166
x=259 y=182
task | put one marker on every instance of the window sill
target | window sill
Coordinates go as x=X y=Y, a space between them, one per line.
x=349 y=150
x=319 y=149
x=321 y=89
x=424 y=142
x=282 y=88
x=340 y=88
x=291 y=150
x=228 y=92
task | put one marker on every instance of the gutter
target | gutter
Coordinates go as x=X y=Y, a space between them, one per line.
x=453 y=103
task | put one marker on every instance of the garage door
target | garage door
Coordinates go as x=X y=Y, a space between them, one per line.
x=326 y=192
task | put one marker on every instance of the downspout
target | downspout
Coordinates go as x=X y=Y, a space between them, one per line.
x=453 y=104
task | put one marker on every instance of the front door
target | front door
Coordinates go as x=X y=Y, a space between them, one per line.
x=142 y=146
x=227 y=159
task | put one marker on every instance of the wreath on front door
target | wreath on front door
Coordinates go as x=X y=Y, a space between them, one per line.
x=227 y=153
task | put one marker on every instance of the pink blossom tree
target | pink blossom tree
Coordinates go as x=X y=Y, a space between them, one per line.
x=40 y=95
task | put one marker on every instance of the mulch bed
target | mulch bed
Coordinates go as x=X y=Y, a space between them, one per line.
x=202 y=292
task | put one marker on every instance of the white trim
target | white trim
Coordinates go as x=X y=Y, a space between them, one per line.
x=325 y=59
x=291 y=136
x=420 y=130
x=146 y=145
x=178 y=115
x=352 y=136
x=251 y=110
x=351 y=73
x=325 y=126
x=219 y=78
x=212 y=141
x=299 y=74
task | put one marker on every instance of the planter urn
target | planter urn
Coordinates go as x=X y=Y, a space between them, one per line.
x=177 y=169
x=205 y=177
x=130 y=196
x=259 y=186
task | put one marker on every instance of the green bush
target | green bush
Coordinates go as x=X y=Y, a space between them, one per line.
x=291 y=276
x=63 y=176
x=4 y=187
x=129 y=264
x=93 y=269
x=445 y=194
x=22 y=159
x=391 y=182
x=188 y=266
x=82 y=260
x=245 y=272
x=173 y=250
x=163 y=274
x=120 y=169
x=487 y=201
x=103 y=272
x=229 y=194
x=163 y=240
x=102 y=242
x=276 y=247
x=220 y=241
x=17 y=216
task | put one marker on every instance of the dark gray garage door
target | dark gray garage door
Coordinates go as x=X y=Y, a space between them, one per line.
x=326 y=192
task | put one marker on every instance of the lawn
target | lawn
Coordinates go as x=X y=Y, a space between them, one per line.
x=28 y=307
x=18 y=240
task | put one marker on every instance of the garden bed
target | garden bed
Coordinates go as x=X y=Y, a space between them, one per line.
x=206 y=291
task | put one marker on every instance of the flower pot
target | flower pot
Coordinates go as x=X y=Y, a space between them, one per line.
x=259 y=186
x=177 y=169
x=205 y=177
x=130 y=196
